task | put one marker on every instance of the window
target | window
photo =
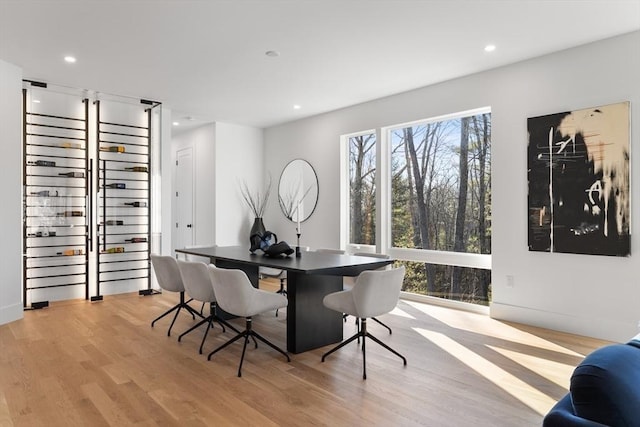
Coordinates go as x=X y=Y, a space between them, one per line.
x=437 y=195
x=362 y=193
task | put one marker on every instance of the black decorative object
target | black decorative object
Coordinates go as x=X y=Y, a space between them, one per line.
x=278 y=249
x=257 y=202
x=256 y=233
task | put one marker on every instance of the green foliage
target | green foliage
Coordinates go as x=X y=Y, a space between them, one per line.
x=425 y=168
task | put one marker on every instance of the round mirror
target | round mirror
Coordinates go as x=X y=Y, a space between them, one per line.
x=298 y=190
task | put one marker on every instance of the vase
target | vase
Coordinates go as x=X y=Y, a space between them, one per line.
x=257 y=230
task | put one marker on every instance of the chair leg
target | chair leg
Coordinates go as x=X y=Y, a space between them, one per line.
x=182 y=304
x=362 y=332
x=281 y=291
x=202 y=322
x=404 y=360
x=342 y=344
x=270 y=344
x=204 y=337
x=248 y=332
x=381 y=323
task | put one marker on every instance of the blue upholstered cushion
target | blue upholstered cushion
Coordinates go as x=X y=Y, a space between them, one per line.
x=605 y=387
x=562 y=415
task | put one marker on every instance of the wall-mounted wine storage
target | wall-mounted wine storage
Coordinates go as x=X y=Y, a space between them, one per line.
x=124 y=220
x=55 y=236
x=86 y=195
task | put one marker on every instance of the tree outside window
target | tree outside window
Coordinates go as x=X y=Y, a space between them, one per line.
x=440 y=173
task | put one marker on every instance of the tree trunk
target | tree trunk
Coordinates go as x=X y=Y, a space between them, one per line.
x=459 y=242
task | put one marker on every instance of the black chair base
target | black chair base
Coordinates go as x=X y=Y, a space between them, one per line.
x=362 y=332
x=281 y=291
x=181 y=305
x=248 y=332
x=209 y=321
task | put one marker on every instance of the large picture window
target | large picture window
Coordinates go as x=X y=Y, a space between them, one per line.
x=437 y=194
x=362 y=185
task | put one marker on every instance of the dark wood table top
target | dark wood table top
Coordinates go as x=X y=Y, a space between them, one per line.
x=308 y=263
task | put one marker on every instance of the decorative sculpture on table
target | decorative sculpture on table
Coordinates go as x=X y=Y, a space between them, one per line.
x=257 y=202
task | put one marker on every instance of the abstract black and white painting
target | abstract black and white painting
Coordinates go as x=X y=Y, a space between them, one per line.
x=578 y=171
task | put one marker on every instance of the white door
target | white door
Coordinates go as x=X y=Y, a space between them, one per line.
x=184 y=198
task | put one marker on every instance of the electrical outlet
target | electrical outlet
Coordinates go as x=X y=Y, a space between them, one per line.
x=510 y=281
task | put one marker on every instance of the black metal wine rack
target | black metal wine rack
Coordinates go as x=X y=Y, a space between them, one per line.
x=55 y=196
x=123 y=153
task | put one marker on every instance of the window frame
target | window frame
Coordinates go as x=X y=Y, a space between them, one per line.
x=383 y=205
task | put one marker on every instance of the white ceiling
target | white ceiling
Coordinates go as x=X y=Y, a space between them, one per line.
x=207 y=59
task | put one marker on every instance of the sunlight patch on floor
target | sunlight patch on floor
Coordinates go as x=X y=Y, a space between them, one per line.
x=479 y=323
x=555 y=372
x=5 y=416
x=525 y=393
x=400 y=312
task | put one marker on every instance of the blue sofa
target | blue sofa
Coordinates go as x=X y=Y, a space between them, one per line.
x=605 y=390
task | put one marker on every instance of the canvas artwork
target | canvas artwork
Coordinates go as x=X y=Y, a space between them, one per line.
x=578 y=171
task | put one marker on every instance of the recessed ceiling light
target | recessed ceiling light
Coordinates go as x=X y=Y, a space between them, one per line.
x=296 y=107
x=36 y=101
x=272 y=53
x=490 y=48
x=70 y=59
x=176 y=123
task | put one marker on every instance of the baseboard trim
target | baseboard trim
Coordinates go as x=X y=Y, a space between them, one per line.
x=10 y=313
x=599 y=328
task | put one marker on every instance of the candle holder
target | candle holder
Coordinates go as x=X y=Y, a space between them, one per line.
x=298 y=251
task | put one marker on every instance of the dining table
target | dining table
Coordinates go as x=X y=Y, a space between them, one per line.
x=310 y=276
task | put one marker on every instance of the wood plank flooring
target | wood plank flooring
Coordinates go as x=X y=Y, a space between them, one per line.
x=79 y=363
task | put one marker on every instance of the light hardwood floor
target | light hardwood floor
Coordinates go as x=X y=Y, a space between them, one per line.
x=78 y=363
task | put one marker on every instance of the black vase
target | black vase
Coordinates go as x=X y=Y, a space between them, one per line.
x=256 y=229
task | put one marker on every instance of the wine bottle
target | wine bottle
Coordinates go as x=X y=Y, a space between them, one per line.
x=137 y=204
x=70 y=213
x=67 y=144
x=136 y=240
x=114 y=222
x=114 y=250
x=113 y=149
x=47 y=163
x=72 y=174
x=117 y=185
x=137 y=169
x=43 y=193
x=71 y=252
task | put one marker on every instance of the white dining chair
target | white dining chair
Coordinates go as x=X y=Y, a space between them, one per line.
x=375 y=292
x=237 y=296
x=348 y=282
x=168 y=276
x=197 y=282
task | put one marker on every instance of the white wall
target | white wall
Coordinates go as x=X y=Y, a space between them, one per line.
x=239 y=157
x=11 y=188
x=224 y=156
x=590 y=295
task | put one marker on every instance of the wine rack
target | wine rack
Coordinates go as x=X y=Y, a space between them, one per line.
x=123 y=153
x=55 y=196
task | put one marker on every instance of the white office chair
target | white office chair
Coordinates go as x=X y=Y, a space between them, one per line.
x=197 y=282
x=350 y=281
x=169 y=279
x=275 y=273
x=237 y=296
x=374 y=293
x=331 y=251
